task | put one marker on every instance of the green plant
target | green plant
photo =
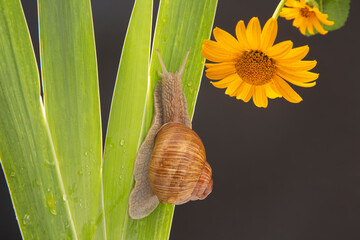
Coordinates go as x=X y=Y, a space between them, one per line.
x=51 y=150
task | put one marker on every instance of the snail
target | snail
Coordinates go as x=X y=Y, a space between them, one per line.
x=170 y=165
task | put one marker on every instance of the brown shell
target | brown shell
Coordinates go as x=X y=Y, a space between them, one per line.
x=178 y=170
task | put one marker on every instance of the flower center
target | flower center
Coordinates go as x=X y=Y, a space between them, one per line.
x=255 y=68
x=306 y=12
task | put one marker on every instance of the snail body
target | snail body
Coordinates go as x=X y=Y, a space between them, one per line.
x=170 y=166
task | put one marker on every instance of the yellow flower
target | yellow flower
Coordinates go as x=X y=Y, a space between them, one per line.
x=252 y=66
x=305 y=16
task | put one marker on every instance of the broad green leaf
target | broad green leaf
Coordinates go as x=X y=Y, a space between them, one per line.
x=338 y=11
x=26 y=149
x=126 y=117
x=181 y=25
x=72 y=107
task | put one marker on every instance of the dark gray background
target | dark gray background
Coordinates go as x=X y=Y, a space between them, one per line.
x=290 y=171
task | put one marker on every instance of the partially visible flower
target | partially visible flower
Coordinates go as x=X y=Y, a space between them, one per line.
x=306 y=16
x=252 y=67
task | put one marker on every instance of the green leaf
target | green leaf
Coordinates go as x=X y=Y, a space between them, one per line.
x=338 y=11
x=72 y=107
x=126 y=116
x=181 y=25
x=26 y=150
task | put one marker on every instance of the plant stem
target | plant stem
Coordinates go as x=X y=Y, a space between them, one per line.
x=278 y=9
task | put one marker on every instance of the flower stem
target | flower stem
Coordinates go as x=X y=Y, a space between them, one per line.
x=278 y=9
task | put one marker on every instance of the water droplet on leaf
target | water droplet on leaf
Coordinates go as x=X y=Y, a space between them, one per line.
x=51 y=205
x=26 y=219
x=49 y=163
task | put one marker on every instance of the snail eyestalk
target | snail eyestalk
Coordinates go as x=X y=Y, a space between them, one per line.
x=163 y=68
x=181 y=71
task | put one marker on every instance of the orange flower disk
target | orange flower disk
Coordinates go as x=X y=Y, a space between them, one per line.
x=252 y=67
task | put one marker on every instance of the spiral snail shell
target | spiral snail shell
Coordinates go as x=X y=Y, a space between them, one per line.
x=178 y=169
x=170 y=166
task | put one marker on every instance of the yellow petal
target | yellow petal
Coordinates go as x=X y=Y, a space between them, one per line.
x=249 y=94
x=212 y=45
x=289 y=13
x=294 y=54
x=286 y=91
x=225 y=82
x=253 y=32
x=274 y=88
x=319 y=28
x=246 y=88
x=217 y=71
x=289 y=3
x=214 y=56
x=279 y=50
x=264 y=97
x=226 y=40
x=268 y=34
x=297 y=21
x=240 y=88
x=259 y=97
x=298 y=66
x=323 y=17
x=232 y=88
x=299 y=76
x=214 y=65
x=302 y=23
x=270 y=92
x=256 y=99
x=310 y=27
x=241 y=35
x=300 y=84
x=214 y=52
x=297 y=83
x=293 y=3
